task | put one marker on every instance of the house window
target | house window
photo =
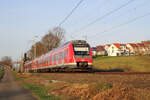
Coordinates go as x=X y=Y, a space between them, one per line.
x=112 y=51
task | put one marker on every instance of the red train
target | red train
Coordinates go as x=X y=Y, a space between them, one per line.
x=74 y=55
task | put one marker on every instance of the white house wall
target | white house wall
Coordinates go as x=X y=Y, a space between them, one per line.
x=113 y=50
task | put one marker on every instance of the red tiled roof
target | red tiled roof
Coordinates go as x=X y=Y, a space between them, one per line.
x=117 y=45
x=134 y=45
x=100 y=48
x=140 y=44
x=145 y=42
x=127 y=48
x=108 y=45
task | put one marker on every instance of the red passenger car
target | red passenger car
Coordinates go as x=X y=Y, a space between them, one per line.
x=75 y=54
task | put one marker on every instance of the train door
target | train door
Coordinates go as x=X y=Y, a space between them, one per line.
x=52 y=59
x=57 y=59
x=49 y=60
x=63 y=57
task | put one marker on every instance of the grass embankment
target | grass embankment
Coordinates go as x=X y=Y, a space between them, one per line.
x=123 y=63
x=39 y=91
x=46 y=89
x=54 y=86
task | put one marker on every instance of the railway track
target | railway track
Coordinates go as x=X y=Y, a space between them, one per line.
x=102 y=73
x=122 y=73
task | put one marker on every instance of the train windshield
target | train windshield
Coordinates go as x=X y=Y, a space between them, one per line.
x=81 y=51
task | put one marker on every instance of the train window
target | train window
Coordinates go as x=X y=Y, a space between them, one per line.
x=81 y=50
x=65 y=53
x=61 y=55
x=58 y=56
x=49 y=59
x=54 y=57
x=46 y=59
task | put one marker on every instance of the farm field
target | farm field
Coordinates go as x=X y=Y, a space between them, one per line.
x=85 y=86
x=94 y=86
x=123 y=63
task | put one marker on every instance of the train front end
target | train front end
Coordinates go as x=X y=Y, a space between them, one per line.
x=82 y=54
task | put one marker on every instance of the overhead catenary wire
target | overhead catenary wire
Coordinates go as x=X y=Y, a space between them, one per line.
x=136 y=7
x=104 y=16
x=100 y=6
x=64 y=20
x=123 y=24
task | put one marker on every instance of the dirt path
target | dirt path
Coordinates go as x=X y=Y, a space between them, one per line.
x=11 y=90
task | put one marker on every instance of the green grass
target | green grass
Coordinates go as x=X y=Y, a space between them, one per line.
x=16 y=77
x=40 y=91
x=125 y=63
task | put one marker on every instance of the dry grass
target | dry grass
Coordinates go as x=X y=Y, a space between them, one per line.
x=85 y=86
x=125 y=63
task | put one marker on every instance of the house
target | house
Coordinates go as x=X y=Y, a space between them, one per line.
x=147 y=46
x=133 y=48
x=142 y=49
x=101 y=50
x=137 y=49
x=146 y=43
x=107 y=47
x=117 y=49
x=93 y=50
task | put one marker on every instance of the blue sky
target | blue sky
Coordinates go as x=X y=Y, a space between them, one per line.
x=21 y=20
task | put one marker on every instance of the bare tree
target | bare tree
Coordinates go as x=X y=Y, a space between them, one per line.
x=48 y=41
x=40 y=49
x=51 y=40
x=6 y=60
x=59 y=34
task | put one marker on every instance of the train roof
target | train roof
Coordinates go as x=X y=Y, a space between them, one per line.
x=76 y=42
x=72 y=41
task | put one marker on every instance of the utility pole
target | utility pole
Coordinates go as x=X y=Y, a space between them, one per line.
x=85 y=37
x=34 y=40
x=34 y=50
x=21 y=64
